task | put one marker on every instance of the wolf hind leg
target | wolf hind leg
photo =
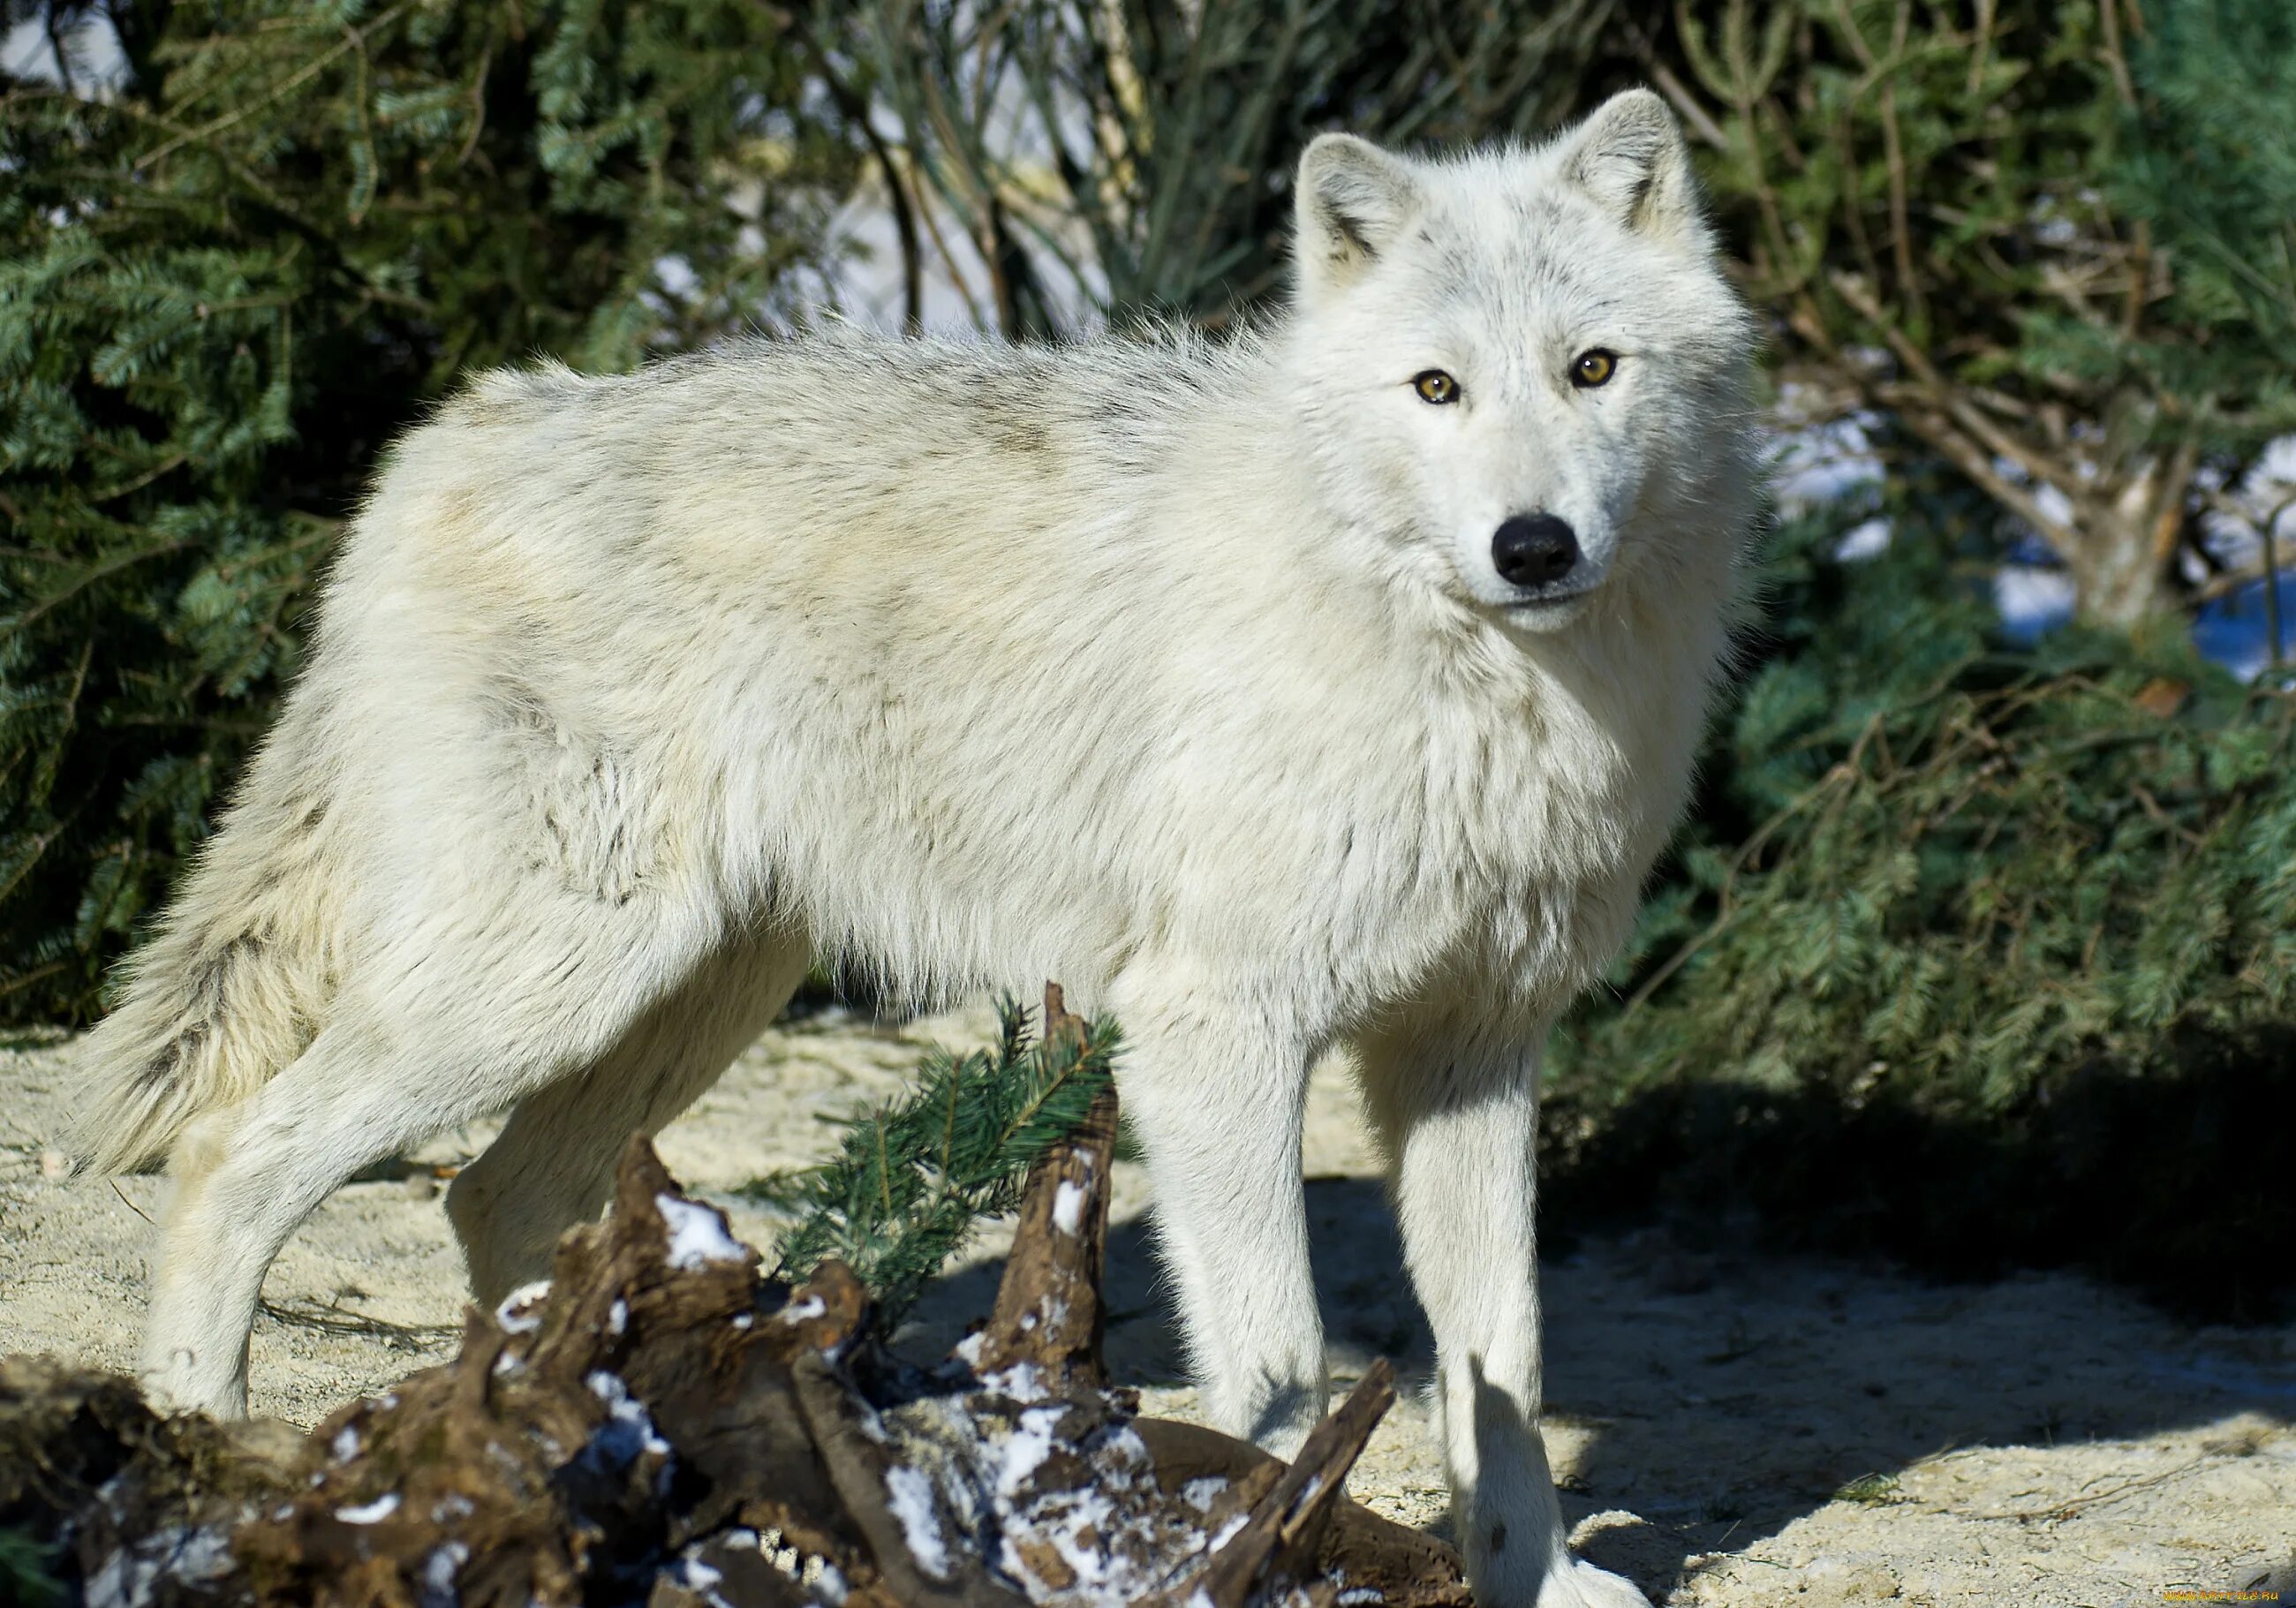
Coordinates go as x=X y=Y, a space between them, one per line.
x=551 y=1166
x=477 y=1022
x=246 y=1175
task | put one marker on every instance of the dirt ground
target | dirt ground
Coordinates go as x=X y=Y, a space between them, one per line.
x=1730 y=1429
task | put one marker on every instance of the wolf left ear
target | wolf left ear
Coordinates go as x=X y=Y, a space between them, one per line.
x=1351 y=203
x=1629 y=156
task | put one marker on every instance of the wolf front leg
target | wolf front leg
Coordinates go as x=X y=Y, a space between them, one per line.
x=1456 y=1110
x=1216 y=1093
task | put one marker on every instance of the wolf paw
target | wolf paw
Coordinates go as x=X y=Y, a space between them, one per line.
x=1578 y=1585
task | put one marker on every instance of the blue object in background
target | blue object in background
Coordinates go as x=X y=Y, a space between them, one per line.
x=2233 y=630
x=2236 y=629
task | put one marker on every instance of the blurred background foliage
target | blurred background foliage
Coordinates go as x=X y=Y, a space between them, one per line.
x=230 y=272
x=1960 y=899
x=1972 y=954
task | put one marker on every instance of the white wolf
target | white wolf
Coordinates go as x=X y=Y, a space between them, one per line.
x=1334 y=685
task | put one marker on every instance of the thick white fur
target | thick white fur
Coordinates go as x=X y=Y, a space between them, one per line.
x=1178 y=672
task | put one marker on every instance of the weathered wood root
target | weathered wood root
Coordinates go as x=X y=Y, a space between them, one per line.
x=663 y=1425
x=1049 y=1315
x=1287 y=1526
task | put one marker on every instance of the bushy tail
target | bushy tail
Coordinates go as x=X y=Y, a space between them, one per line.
x=228 y=991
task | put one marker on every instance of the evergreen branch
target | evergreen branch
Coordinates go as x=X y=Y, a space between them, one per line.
x=87 y=578
x=914 y=1179
x=27 y=1569
x=354 y=39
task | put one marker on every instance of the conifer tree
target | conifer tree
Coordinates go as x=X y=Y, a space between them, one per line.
x=2047 y=236
x=1980 y=953
x=228 y=279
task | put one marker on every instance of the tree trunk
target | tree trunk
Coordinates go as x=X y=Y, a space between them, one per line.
x=2118 y=578
x=2121 y=541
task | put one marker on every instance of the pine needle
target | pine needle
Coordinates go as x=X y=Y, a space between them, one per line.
x=915 y=1179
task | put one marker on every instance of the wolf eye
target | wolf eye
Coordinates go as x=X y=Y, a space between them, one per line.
x=1436 y=386
x=1591 y=369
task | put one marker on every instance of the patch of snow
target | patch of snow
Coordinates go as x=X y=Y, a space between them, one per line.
x=1026 y=1448
x=182 y=1555
x=370 y=1513
x=2033 y=601
x=1068 y=1206
x=438 y=1571
x=346 y=1444
x=1021 y=1382
x=1862 y=541
x=1202 y=1492
x=1115 y=1539
x=832 y=1586
x=618 y=1317
x=512 y=1314
x=2232 y=526
x=629 y=1428
x=797 y=1312
x=1089 y=1514
x=912 y=1494
x=1815 y=462
x=2055 y=507
x=697 y=1234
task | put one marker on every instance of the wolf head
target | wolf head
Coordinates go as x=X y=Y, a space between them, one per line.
x=1526 y=371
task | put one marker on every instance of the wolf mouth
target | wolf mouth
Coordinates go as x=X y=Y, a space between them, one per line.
x=1548 y=600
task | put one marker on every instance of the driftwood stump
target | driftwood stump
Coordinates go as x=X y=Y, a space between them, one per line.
x=663 y=1426
x=1049 y=1315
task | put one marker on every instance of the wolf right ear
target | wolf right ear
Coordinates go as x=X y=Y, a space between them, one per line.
x=1350 y=203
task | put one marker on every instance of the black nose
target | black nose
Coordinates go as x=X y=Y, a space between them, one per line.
x=1534 y=549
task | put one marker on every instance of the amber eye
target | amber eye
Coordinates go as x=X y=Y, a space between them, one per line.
x=1436 y=386
x=1591 y=369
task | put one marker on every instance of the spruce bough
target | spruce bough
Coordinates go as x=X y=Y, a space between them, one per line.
x=914 y=1179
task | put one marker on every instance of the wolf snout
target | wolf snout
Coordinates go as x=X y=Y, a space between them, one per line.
x=1534 y=549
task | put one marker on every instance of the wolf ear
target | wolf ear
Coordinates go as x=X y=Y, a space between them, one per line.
x=1350 y=203
x=1630 y=157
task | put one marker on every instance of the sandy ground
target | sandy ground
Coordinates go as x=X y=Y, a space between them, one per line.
x=1729 y=1429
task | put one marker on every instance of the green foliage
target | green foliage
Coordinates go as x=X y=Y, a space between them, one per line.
x=225 y=285
x=27 y=1575
x=2210 y=168
x=915 y=1178
x=1967 y=944
x=1936 y=164
x=1984 y=220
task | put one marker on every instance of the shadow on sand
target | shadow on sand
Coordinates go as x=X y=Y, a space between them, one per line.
x=1720 y=1390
